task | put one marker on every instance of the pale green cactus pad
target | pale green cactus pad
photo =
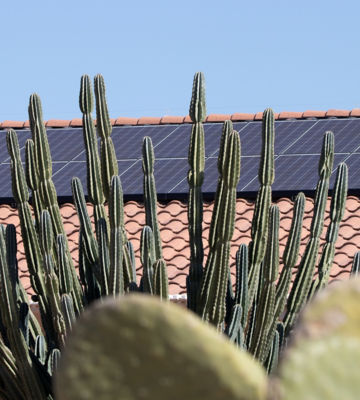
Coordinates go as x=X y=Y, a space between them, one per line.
x=323 y=360
x=137 y=347
x=334 y=311
x=326 y=369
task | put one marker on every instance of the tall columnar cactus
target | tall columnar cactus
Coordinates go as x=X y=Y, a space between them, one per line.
x=301 y=286
x=160 y=283
x=195 y=179
x=259 y=227
x=337 y=210
x=51 y=279
x=28 y=232
x=32 y=180
x=150 y=198
x=211 y=305
x=24 y=378
x=109 y=166
x=267 y=298
x=116 y=218
x=147 y=258
x=46 y=186
x=94 y=179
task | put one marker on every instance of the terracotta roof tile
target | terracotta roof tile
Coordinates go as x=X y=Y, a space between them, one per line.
x=126 y=121
x=290 y=115
x=77 y=122
x=174 y=232
x=217 y=117
x=149 y=121
x=314 y=114
x=242 y=117
x=338 y=113
x=57 y=123
x=12 y=124
x=168 y=119
x=355 y=112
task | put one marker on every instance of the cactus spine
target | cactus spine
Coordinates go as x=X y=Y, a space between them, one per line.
x=195 y=179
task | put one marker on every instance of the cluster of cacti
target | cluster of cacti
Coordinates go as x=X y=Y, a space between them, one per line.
x=137 y=347
x=257 y=316
x=261 y=313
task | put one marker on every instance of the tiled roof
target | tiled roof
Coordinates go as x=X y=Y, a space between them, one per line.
x=173 y=221
x=167 y=119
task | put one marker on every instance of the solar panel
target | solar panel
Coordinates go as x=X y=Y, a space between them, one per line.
x=65 y=144
x=5 y=180
x=346 y=133
x=297 y=148
x=353 y=162
x=167 y=172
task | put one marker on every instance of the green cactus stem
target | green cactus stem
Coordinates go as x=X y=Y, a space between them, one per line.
x=161 y=284
x=150 y=198
x=109 y=165
x=94 y=179
x=267 y=296
x=337 y=209
x=195 y=179
x=259 y=228
x=302 y=284
x=117 y=246
x=147 y=258
x=214 y=284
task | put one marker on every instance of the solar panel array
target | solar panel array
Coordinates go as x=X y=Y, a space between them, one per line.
x=297 y=149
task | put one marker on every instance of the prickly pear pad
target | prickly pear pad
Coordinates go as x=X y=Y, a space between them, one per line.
x=136 y=347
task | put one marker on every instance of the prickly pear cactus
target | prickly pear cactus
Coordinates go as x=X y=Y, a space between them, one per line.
x=323 y=362
x=335 y=311
x=139 y=348
x=322 y=369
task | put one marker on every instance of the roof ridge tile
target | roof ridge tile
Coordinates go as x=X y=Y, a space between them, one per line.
x=211 y=118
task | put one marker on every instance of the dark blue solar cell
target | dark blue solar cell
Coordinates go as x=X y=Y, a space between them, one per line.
x=213 y=134
x=346 y=133
x=64 y=173
x=248 y=174
x=5 y=180
x=168 y=173
x=299 y=172
x=128 y=140
x=65 y=144
x=353 y=163
x=176 y=145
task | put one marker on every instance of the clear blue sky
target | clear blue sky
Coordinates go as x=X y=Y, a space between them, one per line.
x=287 y=55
